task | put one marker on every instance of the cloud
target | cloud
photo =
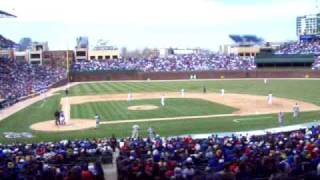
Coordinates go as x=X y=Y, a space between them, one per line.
x=154 y=11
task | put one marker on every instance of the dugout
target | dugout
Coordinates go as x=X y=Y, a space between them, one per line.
x=294 y=60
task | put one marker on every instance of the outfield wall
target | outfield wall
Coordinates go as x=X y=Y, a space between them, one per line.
x=117 y=76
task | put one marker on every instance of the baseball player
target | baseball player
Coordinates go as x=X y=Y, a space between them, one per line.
x=97 y=117
x=270 y=99
x=135 y=131
x=182 y=92
x=296 y=110
x=57 y=117
x=151 y=133
x=162 y=101
x=62 y=118
x=222 y=92
x=265 y=81
x=204 y=90
x=129 y=99
x=281 y=118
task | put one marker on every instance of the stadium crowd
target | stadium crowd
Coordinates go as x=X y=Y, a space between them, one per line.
x=20 y=79
x=281 y=156
x=173 y=63
x=294 y=155
x=299 y=47
x=65 y=160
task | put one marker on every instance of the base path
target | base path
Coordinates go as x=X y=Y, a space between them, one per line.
x=246 y=105
x=142 y=108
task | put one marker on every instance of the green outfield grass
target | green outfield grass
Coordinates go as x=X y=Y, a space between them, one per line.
x=305 y=90
x=118 y=110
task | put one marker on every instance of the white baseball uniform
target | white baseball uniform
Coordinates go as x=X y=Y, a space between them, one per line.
x=129 y=97
x=135 y=131
x=97 y=120
x=222 y=92
x=265 y=81
x=162 y=101
x=182 y=92
x=270 y=99
x=281 y=118
x=296 y=111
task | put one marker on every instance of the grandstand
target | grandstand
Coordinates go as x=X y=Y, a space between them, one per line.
x=6 y=43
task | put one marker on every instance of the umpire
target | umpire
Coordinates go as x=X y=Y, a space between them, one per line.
x=57 y=117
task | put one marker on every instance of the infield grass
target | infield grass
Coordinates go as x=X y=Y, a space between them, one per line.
x=175 y=107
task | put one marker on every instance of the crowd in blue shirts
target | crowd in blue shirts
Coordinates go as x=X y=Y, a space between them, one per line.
x=20 y=79
x=64 y=160
x=292 y=155
x=172 y=63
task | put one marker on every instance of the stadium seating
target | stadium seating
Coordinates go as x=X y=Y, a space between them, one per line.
x=6 y=43
x=19 y=79
x=290 y=155
x=69 y=160
x=174 y=63
x=299 y=48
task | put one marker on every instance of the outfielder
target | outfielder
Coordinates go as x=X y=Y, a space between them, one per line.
x=182 y=92
x=135 y=131
x=270 y=99
x=265 y=81
x=162 y=100
x=296 y=110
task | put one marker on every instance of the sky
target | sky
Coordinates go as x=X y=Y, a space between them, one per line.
x=137 y=24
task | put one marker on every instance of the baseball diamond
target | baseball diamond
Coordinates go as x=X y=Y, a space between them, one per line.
x=205 y=113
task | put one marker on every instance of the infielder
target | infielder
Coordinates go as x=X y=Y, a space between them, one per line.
x=97 y=117
x=270 y=99
x=129 y=99
x=182 y=92
x=135 y=131
x=296 y=110
x=162 y=101
x=281 y=118
x=222 y=92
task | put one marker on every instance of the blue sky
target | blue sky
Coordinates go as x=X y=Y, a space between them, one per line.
x=152 y=23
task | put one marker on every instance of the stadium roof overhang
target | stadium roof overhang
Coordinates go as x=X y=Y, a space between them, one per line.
x=6 y=15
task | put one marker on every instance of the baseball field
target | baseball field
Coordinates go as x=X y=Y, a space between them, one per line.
x=243 y=107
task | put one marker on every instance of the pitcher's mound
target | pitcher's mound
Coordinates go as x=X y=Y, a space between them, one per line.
x=72 y=125
x=142 y=107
